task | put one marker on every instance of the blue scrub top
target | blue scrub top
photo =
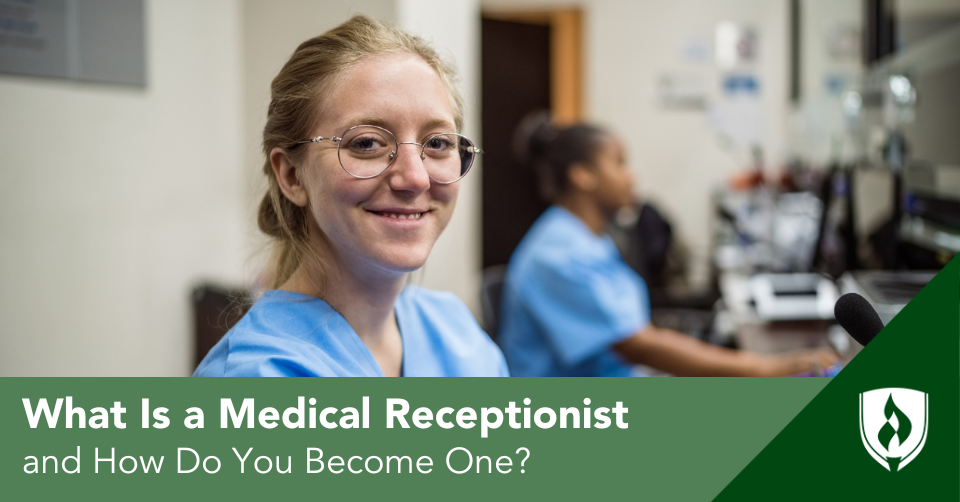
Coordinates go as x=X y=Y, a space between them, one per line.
x=292 y=334
x=568 y=297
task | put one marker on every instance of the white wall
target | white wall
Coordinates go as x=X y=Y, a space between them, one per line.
x=675 y=154
x=115 y=200
x=818 y=130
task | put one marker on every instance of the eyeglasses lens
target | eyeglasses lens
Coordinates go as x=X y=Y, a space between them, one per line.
x=366 y=151
x=447 y=157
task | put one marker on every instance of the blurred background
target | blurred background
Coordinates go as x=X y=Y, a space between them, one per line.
x=776 y=144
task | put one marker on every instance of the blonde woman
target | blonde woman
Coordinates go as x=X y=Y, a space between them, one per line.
x=364 y=162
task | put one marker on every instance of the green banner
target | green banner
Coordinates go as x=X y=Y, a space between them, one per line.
x=679 y=439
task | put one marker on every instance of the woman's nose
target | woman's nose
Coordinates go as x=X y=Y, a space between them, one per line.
x=408 y=172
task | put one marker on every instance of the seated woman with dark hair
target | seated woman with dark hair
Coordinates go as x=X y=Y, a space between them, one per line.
x=572 y=306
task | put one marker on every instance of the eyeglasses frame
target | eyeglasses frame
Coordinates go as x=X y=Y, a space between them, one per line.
x=474 y=149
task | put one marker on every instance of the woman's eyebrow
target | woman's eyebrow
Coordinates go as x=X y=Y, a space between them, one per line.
x=435 y=125
x=440 y=123
x=364 y=121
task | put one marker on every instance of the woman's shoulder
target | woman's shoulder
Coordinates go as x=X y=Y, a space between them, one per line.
x=442 y=334
x=436 y=309
x=559 y=239
x=421 y=296
x=289 y=317
x=286 y=334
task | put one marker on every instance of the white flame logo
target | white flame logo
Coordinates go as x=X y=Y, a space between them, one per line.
x=893 y=425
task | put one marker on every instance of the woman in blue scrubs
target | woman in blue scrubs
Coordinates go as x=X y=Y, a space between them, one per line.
x=363 y=164
x=572 y=306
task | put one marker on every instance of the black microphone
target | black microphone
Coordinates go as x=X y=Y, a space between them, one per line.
x=858 y=317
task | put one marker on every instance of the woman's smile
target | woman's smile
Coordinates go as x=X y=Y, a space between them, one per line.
x=405 y=218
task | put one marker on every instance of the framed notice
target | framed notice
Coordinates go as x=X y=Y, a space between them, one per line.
x=93 y=40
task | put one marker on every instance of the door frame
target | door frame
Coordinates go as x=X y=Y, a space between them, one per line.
x=566 y=56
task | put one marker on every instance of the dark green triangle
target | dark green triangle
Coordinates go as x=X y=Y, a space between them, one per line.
x=820 y=456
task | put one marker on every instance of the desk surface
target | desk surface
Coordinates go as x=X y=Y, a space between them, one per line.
x=755 y=335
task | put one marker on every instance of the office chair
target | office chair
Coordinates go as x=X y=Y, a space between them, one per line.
x=215 y=310
x=646 y=246
x=491 y=292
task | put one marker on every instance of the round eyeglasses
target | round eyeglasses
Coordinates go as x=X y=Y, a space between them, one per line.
x=366 y=151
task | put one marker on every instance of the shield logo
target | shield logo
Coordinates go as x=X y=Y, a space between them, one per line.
x=893 y=425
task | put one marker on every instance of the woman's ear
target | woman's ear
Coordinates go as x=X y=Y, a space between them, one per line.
x=287 y=178
x=583 y=177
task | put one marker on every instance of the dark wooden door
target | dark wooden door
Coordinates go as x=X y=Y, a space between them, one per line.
x=515 y=81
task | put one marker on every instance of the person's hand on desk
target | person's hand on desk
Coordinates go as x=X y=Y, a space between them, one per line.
x=681 y=355
x=814 y=361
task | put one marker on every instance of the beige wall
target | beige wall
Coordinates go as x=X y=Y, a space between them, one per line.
x=115 y=200
x=675 y=154
x=818 y=131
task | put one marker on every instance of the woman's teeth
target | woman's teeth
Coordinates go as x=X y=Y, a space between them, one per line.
x=396 y=216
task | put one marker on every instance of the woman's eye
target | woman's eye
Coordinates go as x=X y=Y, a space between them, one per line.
x=366 y=143
x=438 y=143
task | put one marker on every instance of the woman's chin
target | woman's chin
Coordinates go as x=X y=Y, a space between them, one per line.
x=404 y=259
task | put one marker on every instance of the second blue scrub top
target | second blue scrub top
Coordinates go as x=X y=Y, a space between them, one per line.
x=292 y=334
x=567 y=298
